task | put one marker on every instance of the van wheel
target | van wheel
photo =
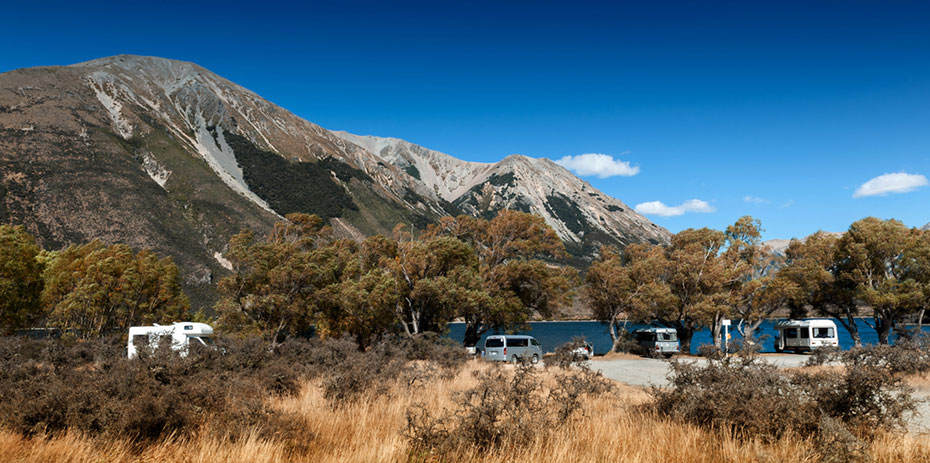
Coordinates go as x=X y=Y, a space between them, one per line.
x=535 y=359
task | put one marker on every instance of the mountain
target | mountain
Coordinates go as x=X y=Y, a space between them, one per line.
x=925 y=227
x=166 y=155
x=582 y=216
x=779 y=246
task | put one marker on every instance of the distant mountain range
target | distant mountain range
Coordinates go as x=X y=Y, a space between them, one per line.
x=166 y=155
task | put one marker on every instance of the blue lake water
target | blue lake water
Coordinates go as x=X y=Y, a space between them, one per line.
x=554 y=334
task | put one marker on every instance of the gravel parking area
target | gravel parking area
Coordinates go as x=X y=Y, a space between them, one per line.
x=653 y=372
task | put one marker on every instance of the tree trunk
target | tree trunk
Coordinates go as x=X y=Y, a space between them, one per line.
x=614 y=338
x=716 y=331
x=473 y=332
x=853 y=329
x=883 y=329
x=685 y=333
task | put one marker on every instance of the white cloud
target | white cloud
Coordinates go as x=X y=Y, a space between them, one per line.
x=755 y=200
x=659 y=208
x=891 y=183
x=601 y=165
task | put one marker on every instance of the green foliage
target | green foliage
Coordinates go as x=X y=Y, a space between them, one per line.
x=412 y=171
x=879 y=260
x=275 y=281
x=20 y=279
x=507 y=179
x=568 y=212
x=512 y=251
x=94 y=289
x=289 y=187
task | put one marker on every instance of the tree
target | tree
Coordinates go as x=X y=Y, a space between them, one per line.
x=362 y=303
x=94 y=289
x=434 y=278
x=514 y=252
x=756 y=291
x=275 y=282
x=916 y=263
x=872 y=256
x=20 y=279
x=697 y=280
x=625 y=285
x=812 y=267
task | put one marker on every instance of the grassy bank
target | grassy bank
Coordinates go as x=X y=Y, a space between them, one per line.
x=612 y=426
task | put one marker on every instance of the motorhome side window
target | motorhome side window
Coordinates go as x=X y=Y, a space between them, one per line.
x=140 y=340
x=645 y=337
x=791 y=333
x=494 y=342
x=823 y=332
x=805 y=333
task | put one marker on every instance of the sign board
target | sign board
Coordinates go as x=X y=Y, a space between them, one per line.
x=725 y=322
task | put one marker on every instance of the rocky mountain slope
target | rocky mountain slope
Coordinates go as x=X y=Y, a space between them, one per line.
x=166 y=155
x=583 y=217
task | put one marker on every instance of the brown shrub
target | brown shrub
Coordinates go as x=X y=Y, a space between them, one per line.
x=755 y=399
x=506 y=409
x=52 y=386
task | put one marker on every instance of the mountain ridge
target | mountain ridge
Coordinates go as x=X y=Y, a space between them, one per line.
x=167 y=155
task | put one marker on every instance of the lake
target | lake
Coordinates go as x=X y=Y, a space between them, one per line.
x=554 y=334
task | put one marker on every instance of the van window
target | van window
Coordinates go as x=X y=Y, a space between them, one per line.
x=791 y=333
x=534 y=342
x=668 y=337
x=517 y=342
x=494 y=342
x=823 y=332
x=805 y=332
x=643 y=336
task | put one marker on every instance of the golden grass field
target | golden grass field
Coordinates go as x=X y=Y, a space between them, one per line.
x=612 y=428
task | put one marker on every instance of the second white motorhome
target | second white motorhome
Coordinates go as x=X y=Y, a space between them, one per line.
x=181 y=335
x=805 y=335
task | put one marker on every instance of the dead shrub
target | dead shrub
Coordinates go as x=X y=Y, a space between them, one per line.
x=52 y=386
x=507 y=408
x=755 y=399
x=567 y=355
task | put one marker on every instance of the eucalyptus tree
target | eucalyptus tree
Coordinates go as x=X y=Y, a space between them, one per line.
x=20 y=279
x=628 y=285
x=872 y=257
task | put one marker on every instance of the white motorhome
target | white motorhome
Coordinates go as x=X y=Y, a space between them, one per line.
x=805 y=335
x=181 y=335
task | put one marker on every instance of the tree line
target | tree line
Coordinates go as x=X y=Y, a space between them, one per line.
x=705 y=276
x=498 y=273
x=300 y=279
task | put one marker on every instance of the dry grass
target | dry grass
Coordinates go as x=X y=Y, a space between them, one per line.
x=610 y=429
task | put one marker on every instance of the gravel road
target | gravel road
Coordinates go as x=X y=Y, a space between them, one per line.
x=653 y=372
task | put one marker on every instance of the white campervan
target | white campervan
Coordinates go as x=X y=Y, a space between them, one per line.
x=805 y=335
x=181 y=336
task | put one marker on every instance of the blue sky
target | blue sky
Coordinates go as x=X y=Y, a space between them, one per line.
x=780 y=110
